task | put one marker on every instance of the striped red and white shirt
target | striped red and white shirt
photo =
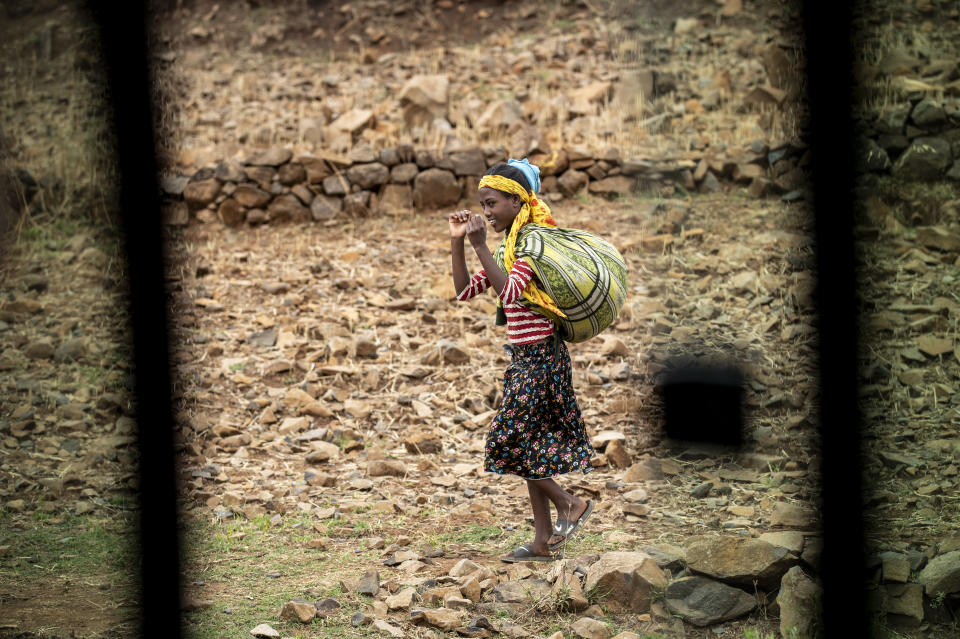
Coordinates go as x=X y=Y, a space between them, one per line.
x=523 y=325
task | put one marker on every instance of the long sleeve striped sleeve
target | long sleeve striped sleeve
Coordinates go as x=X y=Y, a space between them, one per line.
x=478 y=284
x=520 y=276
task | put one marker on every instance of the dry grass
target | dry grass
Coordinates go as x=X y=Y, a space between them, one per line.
x=903 y=37
x=53 y=102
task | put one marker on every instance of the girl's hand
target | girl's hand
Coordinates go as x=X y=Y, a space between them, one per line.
x=458 y=223
x=477 y=230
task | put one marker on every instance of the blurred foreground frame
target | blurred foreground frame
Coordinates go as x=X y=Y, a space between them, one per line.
x=828 y=30
x=123 y=31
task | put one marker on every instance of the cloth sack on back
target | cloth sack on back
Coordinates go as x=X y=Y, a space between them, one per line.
x=583 y=273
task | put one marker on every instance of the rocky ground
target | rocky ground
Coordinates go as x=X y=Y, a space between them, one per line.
x=331 y=399
x=315 y=345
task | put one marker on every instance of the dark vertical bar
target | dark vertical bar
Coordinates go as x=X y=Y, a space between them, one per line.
x=828 y=33
x=124 y=38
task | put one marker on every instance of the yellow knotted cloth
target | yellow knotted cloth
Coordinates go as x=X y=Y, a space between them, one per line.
x=533 y=210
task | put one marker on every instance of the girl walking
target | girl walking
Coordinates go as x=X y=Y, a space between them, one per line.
x=538 y=432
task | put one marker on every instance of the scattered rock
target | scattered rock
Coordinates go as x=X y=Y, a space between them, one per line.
x=792 y=540
x=301 y=611
x=369 y=583
x=386 y=468
x=591 y=628
x=926 y=159
x=39 y=350
x=941 y=574
x=738 y=560
x=800 y=601
x=526 y=591
x=266 y=631
x=790 y=515
x=645 y=469
x=463 y=567
x=437 y=617
x=938 y=238
x=704 y=602
x=402 y=600
x=627 y=579
x=424 y=98
x=500 y=114
x=271 y=157
x=905 y=600
x=391 y=630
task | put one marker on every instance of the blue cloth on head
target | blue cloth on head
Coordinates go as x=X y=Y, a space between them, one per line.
x=530 y=171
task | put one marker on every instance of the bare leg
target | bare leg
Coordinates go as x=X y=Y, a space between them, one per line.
x=568 y=506
x=541 y=517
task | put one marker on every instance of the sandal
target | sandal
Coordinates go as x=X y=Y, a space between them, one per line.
x=524 y=553
x=565 y=528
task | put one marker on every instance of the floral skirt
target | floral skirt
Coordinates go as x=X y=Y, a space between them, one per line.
x=538 y=432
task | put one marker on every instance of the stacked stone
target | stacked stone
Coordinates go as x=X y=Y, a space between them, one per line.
x=912 y=587
x=915 y=141
x=275 y=187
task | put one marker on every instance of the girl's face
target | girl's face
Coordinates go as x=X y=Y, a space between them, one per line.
x=499 y=209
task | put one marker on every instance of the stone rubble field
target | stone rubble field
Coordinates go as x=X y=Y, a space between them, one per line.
x=331 y=373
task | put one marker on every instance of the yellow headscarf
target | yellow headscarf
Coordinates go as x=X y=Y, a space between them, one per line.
x=533 y=210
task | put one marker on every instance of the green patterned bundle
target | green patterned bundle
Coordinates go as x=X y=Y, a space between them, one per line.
x=583 y=273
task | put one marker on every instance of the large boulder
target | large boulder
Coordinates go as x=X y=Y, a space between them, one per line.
x=231 y=212
x=358 y=204
x=624 y=581
x=525 y=591
x=251 y=196
x=201 y=193
x=404 y=173
x=287 y=208
x=612 y=186
x=893 y=118
x=262 y=175
x=396 y=197
x=572 y=181
x=901 y=604
x=501 y=114
x=942 y=574
x=325 y=207
x=229 y=171
x=468 y=162
x=435 y=189
x=352 y=122
x=587 y=99
x=703 y=601
x=367 y=176
x=926 y=159
x=801 y=602
x=271 y=157
x=291 y=173
x=928 y=114
x=871 y=157
x=425 y=98
x=336 y=185
x=316 y=168
x=739 y=561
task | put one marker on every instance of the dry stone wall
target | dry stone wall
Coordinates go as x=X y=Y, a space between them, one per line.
x=916 y=141
x=273 y=186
